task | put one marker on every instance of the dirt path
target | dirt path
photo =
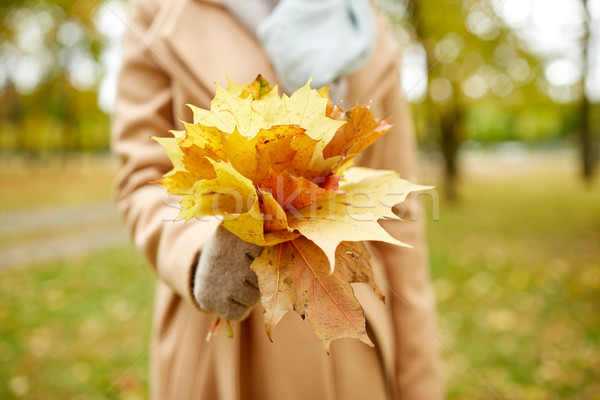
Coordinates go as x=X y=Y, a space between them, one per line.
x=37 y=236
x=42 y=235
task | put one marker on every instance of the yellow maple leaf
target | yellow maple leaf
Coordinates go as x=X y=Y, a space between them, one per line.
x=367 y=196
x=279 y=171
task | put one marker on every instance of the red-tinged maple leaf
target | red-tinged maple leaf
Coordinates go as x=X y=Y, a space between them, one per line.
x=295 y=275
x=331 y=182
x=293 y=192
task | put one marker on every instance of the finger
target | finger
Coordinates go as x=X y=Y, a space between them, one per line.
x=246 y=295
x=253 y=283
x=235 y=311
x=240 y=305
x=253 y=251
x=250 y=279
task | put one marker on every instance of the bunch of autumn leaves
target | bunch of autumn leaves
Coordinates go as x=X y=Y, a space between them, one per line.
x=279 y=171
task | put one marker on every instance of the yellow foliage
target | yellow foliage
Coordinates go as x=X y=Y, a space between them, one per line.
x=278 y=170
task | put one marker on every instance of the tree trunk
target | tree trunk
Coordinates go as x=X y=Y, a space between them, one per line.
x=449 y=129
x=449 y=114
x=587 y=141
x=588 y=156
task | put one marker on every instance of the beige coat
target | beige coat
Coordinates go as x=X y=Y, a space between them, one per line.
x=173 y=51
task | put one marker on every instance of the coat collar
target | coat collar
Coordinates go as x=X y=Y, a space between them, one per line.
x=199 y=43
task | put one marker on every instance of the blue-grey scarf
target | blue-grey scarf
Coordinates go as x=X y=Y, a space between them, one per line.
x=323 y=39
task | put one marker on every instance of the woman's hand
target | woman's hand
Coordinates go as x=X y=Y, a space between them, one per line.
x=223 y=281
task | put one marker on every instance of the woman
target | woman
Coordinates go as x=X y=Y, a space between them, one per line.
x=172 y=53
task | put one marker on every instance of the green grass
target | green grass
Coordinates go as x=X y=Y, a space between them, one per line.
x=70 y=330
x=516 y=265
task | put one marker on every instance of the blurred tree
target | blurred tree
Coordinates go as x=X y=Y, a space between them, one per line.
x=587 y=143
x=49 y=66
x=473 y=60
x=484 y=81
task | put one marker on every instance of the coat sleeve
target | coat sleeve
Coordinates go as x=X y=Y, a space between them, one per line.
x=412 y=300
x=143 y=109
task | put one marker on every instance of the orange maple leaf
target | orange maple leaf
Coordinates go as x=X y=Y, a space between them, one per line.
x=360 y=131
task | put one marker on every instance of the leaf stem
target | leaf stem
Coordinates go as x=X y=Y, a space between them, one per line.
x=229 y=330
x=213 y=331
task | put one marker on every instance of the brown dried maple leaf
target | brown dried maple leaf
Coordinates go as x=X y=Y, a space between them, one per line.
x=295 y=275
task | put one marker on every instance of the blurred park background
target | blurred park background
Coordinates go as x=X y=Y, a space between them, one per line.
x=506 y=97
